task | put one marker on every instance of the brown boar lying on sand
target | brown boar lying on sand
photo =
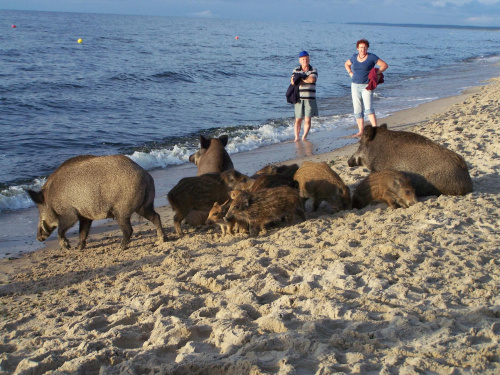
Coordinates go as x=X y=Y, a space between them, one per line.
x=432 y=169
x=264 y=207
x=320 y=182
x=87 y=188
x=388 y=186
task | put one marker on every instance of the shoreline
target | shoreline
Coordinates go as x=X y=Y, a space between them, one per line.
x=377 y=290
x=316 y=148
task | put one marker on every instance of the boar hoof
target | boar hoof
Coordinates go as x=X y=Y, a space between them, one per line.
x=124 y=245
x=65 y=245
x=81 y=245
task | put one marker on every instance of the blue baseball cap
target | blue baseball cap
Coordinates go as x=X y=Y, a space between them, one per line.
x=303 y=53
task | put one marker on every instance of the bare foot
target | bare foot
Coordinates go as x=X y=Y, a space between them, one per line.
x=358 y=135
x=303 y=138
x=296 y=140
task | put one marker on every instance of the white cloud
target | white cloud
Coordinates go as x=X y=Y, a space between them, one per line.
x=442 y=3
x=204 y=14
x=482 y=20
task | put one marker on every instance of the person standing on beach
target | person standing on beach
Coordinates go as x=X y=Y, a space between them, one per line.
x=306 y=107
x=359 y=67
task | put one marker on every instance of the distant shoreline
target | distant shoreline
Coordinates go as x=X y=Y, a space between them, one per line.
x=486 y=28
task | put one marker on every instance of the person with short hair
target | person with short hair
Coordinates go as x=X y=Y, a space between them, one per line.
x=359 y=67
x=306 y=107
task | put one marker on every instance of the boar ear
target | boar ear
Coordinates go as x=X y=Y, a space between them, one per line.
x=383 y=126
x=224 y=138
x=369 y=133
x=204 y=143
x=36 y=197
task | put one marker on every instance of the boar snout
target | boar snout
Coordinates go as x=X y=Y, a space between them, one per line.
x=354 y=161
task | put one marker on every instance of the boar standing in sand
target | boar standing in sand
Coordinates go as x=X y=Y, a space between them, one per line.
x=217 y=216
x=388 y=186
x=264 y=207
x=194 y=197
x=87 y=188
x=320 y=182
x=212 y=156
x=432 y=169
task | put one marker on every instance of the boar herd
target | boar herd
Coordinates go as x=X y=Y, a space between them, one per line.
x=403 y=165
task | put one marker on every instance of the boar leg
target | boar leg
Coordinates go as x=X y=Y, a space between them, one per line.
x=178 y=217
x=303 y=201
x=151 y=215
x=391 y=200
x=126 y=227
x=316 y=203
x=65 y=222
x=84 y=232
x=300 y=211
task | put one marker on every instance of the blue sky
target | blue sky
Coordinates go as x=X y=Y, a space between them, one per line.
x=449 y=12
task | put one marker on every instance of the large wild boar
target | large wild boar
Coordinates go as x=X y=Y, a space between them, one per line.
x=87 y=188
x=193 y=197
x=264 y=207
x=388 y=186
x=196 y=195
x=432 y=169
x=318 y=181
x=212 y=156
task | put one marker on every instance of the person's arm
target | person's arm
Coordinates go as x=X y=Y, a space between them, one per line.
x=347 y=66
x=382 y=65
x=310 y=79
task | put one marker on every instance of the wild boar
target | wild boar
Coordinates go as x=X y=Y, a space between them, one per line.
x=432 y=169
x=216 y=216
x=87 y=188
x=286 y=171
x=212 y=156
x=388 y=186
x=196 y=195
x=318 y=181
x=265 y=181
x=236 y=180
x=264 y=207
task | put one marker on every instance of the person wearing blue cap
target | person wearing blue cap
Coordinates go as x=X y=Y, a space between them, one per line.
x=306 y=107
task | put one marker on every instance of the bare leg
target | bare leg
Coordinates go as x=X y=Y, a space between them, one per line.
x=307 y=127
x=298 y=123
x=361 y=126
x=373 y=119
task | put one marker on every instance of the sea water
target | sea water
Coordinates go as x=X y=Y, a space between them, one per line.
x=147 y=87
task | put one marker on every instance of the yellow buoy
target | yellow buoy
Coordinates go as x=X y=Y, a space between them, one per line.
x=79 y=40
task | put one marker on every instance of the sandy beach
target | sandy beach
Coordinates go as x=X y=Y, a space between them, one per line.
x=370 y=291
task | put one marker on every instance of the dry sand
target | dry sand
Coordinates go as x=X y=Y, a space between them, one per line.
x=371 y=291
